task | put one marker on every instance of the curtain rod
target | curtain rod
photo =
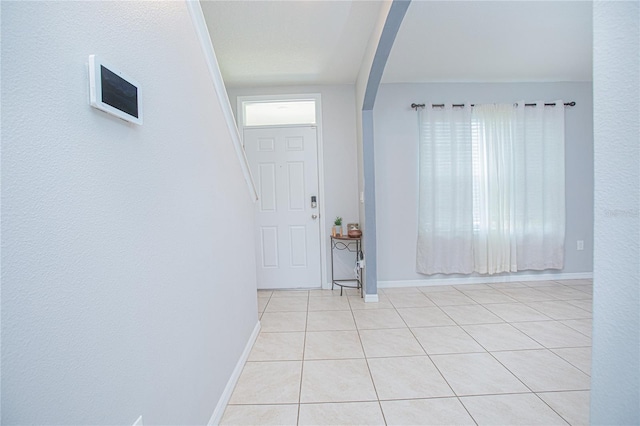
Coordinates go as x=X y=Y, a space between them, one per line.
x=416 y=106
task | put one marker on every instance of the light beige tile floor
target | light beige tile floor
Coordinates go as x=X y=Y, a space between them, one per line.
x=507 y=353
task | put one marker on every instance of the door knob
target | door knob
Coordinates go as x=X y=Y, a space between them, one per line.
x=314 y=216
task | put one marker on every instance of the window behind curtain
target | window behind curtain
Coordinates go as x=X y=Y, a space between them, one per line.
x=445 y=214
x=491 y=189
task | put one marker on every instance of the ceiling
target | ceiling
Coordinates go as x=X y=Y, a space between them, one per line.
x=289 y=42
x=263 y=43
x=492 y=41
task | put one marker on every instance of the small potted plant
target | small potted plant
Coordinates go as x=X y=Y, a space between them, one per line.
x=337 y=227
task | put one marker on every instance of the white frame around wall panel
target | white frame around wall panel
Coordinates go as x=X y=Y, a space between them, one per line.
x=318 y=100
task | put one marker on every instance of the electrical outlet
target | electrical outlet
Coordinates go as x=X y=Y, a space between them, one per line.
x=138 y=422
x=580 y=245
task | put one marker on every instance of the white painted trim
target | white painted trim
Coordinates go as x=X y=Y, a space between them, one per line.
x=485 y=280
x=202 y=32
x=317 y=97
x=323 y=229
x=371 y=298
x=216 y=417
x=274 y=98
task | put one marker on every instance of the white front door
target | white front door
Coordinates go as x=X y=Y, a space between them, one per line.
x=284 y=164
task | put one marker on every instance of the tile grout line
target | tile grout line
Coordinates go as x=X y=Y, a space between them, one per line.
x=304 y=346
x=458 y=397
x=497 y=360
x=559 y=319
x=527 y=386
x=571 y=363
x=366 y=360
x=511 y=372
x=545 y=346
x=411 y=399
x=436 y=366
x=552 y=409
x=260 y=314
x=243 y=367
x=573 y=328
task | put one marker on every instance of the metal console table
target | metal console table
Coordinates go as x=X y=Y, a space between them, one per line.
x=354 y=245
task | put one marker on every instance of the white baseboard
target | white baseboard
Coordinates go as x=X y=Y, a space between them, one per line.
x=216 y=417
x=368 y=298
x=486 y=280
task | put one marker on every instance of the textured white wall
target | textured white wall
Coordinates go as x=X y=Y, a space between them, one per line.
x=396 y=142
x=615 y=395
x=126 y=285
x=339 y=146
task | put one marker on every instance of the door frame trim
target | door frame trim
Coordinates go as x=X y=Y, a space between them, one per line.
x=320 y=155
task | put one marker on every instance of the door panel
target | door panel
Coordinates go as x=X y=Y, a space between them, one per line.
x=267 y=187
x=284 y=161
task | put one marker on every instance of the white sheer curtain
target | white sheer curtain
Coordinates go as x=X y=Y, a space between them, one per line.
x=540 y=182
x=494 y=194
x=445 y=218
x=491 y=189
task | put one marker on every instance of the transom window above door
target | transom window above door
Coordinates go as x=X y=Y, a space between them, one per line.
x=277 y=113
